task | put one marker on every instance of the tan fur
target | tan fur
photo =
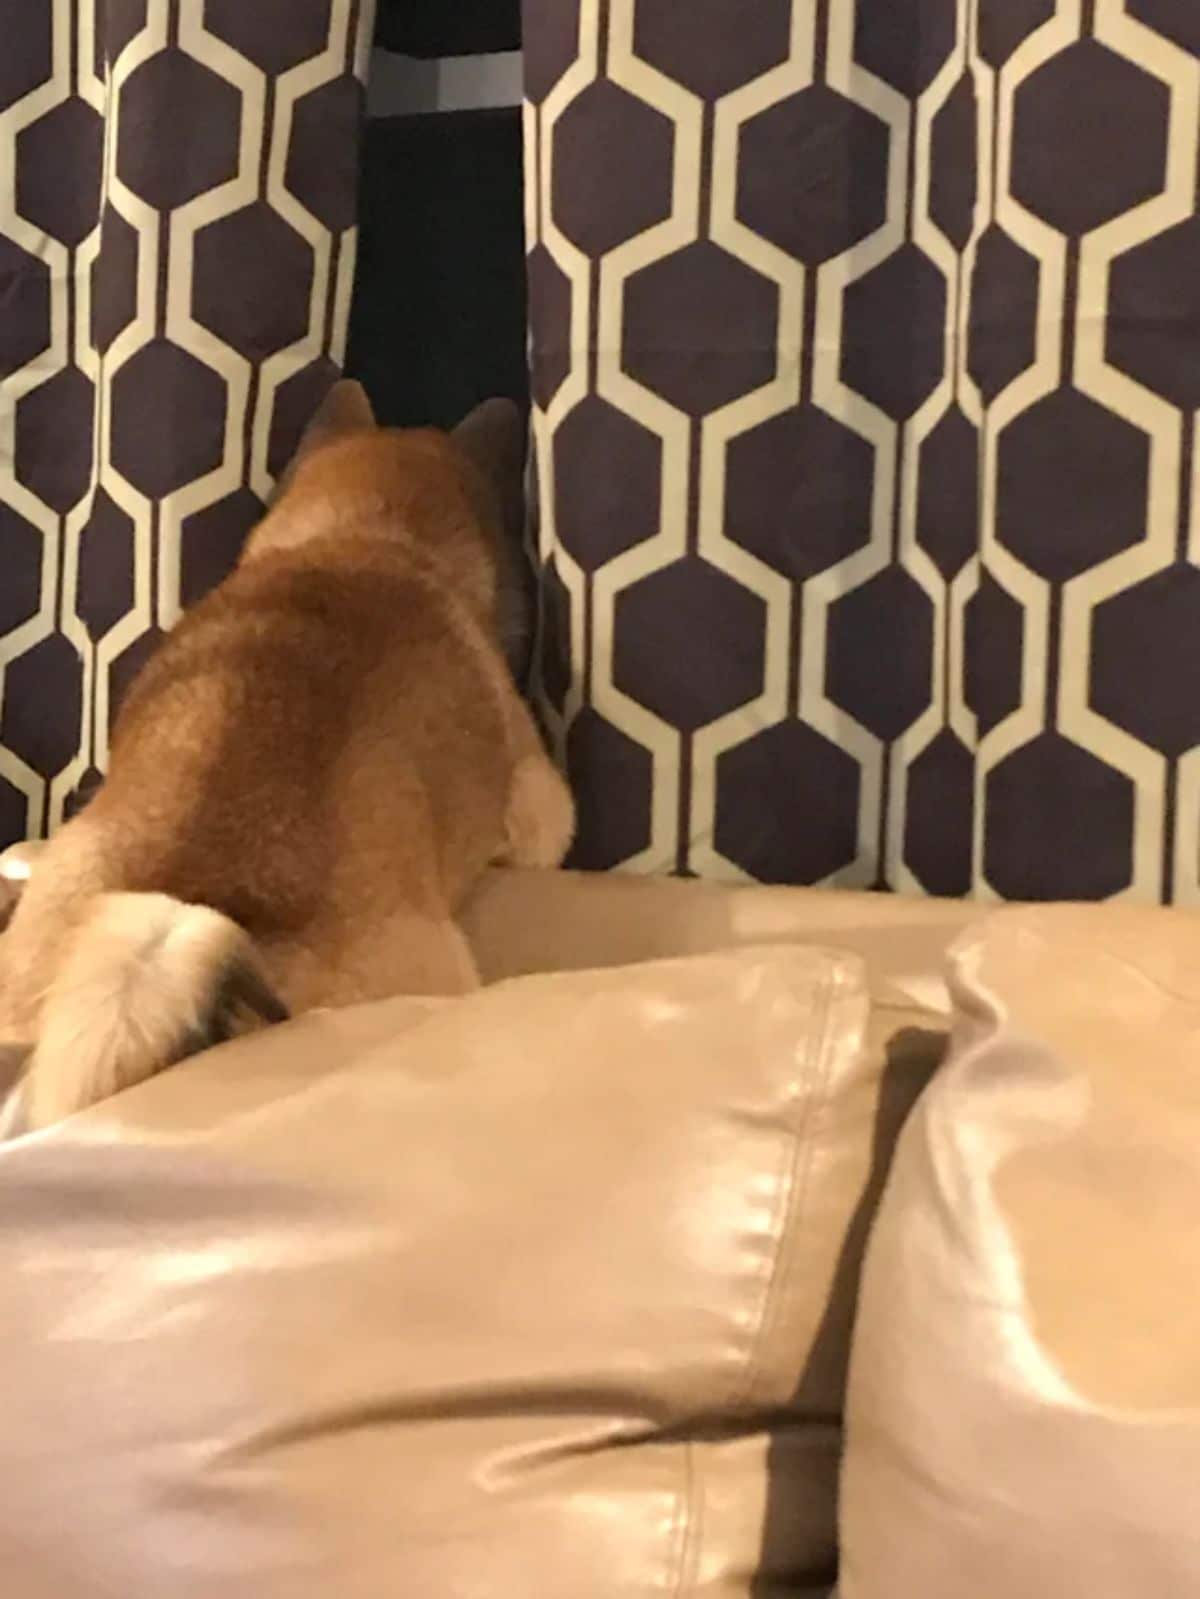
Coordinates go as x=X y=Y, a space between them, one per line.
x=325 y=754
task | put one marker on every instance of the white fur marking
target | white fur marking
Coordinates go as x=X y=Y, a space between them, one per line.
x=141 y=976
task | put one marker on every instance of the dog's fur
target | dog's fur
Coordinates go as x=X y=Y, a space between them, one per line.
x=305 y=780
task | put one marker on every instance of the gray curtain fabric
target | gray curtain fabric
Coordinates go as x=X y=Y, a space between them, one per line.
x=177 y=234
x=866 y=353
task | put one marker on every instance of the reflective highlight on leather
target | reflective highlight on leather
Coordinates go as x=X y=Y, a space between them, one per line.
x=1024 y=1408
x=546 y=1290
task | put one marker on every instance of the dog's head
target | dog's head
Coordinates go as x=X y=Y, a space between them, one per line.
x=457 y=496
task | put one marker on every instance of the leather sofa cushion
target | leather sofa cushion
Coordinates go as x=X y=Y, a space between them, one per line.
x=530 y=921
x=545 y=1290
x=1024 y=1406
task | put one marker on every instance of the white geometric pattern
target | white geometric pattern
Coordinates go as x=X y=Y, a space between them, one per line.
x=160 y=166
x=858 y=285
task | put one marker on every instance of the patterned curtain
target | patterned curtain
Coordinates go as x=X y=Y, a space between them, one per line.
x=177 y=204
x=866 y=356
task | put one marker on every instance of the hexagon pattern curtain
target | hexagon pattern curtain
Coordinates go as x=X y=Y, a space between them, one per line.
x=177 y=203
x=866 y=355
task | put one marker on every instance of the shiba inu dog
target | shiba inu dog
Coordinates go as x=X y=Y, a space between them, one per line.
x=305 y=780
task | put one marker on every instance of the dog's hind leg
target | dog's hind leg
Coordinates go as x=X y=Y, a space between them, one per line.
x=351 y=963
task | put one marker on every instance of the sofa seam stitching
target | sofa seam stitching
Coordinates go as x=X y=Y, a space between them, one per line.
x=800 y=1159
x=689 y=1518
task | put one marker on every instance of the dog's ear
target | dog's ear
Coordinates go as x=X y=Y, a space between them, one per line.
x=492 y=437
x=345 y=409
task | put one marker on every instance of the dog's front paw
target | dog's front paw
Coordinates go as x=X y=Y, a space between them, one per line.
x=540 y=820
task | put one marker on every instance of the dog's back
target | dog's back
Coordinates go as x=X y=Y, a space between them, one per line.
x=323 y=757
x=291 y=750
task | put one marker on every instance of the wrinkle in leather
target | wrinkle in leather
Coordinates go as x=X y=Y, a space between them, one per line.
x=1024 y=1405
x=446 y=1298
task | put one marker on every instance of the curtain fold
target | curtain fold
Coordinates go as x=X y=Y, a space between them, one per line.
x=865 y=344
x=178 y=188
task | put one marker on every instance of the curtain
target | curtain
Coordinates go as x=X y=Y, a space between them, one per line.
x=177 y=235
x=438 y=320
x=866 y=355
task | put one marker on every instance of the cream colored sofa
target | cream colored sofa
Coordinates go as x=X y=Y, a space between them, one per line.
x=552 y=1291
